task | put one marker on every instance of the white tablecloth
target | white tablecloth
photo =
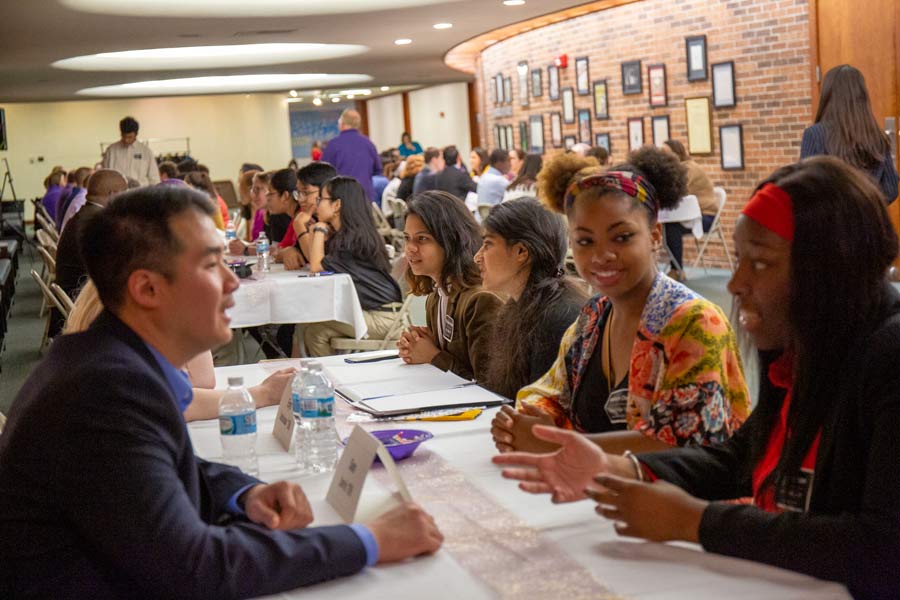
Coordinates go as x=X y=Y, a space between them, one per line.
x=281 y=296
x=631 y=568
x=687 y=213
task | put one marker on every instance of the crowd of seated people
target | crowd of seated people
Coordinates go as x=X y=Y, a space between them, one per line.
x=626 y=387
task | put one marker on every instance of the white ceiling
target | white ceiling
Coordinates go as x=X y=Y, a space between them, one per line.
x=36 y=33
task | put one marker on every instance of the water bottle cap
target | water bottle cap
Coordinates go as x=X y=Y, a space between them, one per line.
x=314 y=365
x=235 y=381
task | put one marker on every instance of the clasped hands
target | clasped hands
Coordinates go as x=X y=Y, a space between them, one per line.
x=579 y=469
x=400 y=533
x=416 y=346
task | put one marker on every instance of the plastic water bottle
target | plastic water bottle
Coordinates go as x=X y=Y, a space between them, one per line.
x=317 y=414
x=262 y=251
x=230 y=233
x=300 y=437
x=237 y=427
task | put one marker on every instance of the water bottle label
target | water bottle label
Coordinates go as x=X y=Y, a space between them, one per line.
x=230 y=234
x=295 y=402
x=262 y=247
x=237 y=424
x=309 y=408
x=325 y=406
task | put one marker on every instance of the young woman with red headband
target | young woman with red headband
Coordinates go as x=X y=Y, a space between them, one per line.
x=819 y=453
x=648 y=364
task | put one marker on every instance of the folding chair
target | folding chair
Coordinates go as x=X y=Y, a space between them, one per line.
x=47 y=225
x=49 y=299
x=391 y=236
x=484 y=210
x=401 y=321
x=2 y=422
x=46 y=241
x=64 y=300
x=399 y=210
x=48 y=273
x=715 y=230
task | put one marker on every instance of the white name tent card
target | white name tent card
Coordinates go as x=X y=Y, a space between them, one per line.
x=353 y=468
x=284 y=420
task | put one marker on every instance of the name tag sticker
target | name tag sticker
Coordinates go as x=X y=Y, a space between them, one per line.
x=794 y=493
x=616 y=405
x=138 y=156
x=448 y=328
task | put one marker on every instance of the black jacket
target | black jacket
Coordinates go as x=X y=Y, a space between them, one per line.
x=454 y=181
x=851 y=532
x=101 y=495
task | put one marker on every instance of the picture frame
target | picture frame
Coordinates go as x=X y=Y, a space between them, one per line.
x=507 y=89
x=601 y=140
x=498 y=84
x=524 y=83
x=656 y=81
x=536 y=127
x=723 y=85
x=699 y=125
x=635 y=133
x=553 y=82
x=584 y=126
x=660 y=128
x=631 y=78
x=556 y=137
x=568 y=105
x=582 y=76
x=537 y=83
x=601 y=100
x=731 y=144
x=695 y=47
x=523 y=136
x=569 y=141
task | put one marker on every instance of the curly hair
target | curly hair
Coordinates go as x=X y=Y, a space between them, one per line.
x=663 y=170
x=414 y=164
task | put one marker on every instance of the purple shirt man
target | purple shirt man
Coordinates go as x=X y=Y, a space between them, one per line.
x=352 y=154
x=51 y=199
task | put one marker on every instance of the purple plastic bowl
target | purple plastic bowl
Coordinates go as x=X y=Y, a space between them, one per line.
x=400 y=450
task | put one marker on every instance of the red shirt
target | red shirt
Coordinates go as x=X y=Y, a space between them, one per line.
x=289 y=239
x=781 y=375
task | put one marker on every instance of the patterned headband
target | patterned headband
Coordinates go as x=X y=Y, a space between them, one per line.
x=626 y=182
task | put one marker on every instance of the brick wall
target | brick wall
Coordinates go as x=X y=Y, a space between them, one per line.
x=768 y=40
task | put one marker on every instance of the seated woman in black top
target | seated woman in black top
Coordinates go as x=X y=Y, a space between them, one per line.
x=521 y=259
x=346 y=241
x=819 y=453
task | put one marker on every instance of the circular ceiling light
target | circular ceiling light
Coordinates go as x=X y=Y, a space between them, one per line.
x=224 y=84
x=208 y=57
x=443 y=25
x=238 y=8
x=385 y=88
x=513 y=2
x=403 y=42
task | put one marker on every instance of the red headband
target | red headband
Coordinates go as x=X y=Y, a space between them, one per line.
x=772 y=208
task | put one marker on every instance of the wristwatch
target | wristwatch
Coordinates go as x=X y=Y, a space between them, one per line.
x=321 y=230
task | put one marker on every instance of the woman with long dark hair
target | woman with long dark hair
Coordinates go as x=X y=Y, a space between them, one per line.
x=478 y=162
x=522 y=259
x=345 y=240
x=649 y=363
x=819 y=453
x=846 y=127
x=525 y=183
x=441 y=241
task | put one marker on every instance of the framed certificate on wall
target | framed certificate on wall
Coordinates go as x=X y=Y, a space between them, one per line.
x=699 y=125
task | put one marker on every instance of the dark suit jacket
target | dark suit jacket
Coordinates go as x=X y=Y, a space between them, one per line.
x=70 y=269
x=101 y=495
x=851 y=532
x=453 y=181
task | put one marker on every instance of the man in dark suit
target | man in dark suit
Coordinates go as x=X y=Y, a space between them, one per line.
x=100 y=492
x=453 y=178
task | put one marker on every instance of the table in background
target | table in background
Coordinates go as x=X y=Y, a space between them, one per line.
x=282 y=296
x=631 y=568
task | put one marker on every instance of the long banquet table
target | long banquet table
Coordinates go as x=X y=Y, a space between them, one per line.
x=282 y=296
x=504 y=543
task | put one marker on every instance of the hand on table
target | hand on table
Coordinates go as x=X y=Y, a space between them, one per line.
x=511 y=429
x=404 y=532
x=565 y=473
x=416 y=346
x=291 y=259
x=236 y=247
x=268 y=393
x=280 y=505
x=658 y=511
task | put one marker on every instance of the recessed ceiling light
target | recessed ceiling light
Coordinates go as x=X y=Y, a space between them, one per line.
x=238 y=8
x=224 y=84
x=350 y=96
x=513 y=2
x=403 y=41
x=293 y=93
x=207 y=57
x=443 y=25
x=335 y=99
x=356 y=92
x=317 y=101
x=385 y=88
x=292 y=100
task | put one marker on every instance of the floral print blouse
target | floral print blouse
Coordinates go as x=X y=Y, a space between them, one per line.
x=685 y=383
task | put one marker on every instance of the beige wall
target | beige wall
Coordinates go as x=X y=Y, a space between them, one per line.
x=439 y=116
x=224 y=132
x=385 y=121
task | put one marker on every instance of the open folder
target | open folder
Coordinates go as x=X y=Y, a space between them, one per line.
x=392 y=387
